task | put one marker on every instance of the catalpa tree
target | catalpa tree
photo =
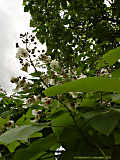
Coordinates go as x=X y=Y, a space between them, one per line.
x=72 y=97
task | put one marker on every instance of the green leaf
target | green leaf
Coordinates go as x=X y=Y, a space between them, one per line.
x=35 y=149
x=69 y=137
x=106 y=122
x=3 y=122
x=118 y=39
x=36 y=74
x=115 y=109
x=13 y=146
x=57 y=113
x=66 y=155
x=112 y=56
x=116 y=74
x=36 y=135
x=2 y=94
x=85 y=85
x=1 y=157
x=6 y=114
x=20 y=133
x=25 y=119
x=24 y=2
x=26 y=8
x=117 y=138
x=49 y=1
x=116 y=98
x=91 y=114
x=61 y=121
x=88 y=101
x=21 y=120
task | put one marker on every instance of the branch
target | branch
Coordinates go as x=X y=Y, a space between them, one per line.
x=32 y=64
x=71 y=113
x=102 y=152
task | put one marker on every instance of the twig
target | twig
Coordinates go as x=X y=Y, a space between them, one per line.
x=32 y=64
x=71 y=113
x=102 y=152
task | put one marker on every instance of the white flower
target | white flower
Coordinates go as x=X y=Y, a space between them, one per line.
x=37 y=98
x=52 y=81
x=24 y=107
x=75 y=73
x=82 y=76
x=39 y=111
x=43 y=100
x=48 y=58
x=46 y=100
x=14 y=80
x=103 y=70
x=74 y=95
x=34 y=112
x=54 y=64
x=22 y=53
x=10 y=123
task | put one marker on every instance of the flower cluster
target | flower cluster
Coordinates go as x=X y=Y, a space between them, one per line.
x=38 y=115
x=54 y=64
x=10 y=124
x=20 y=82
x=22 y=53
x=48 y=72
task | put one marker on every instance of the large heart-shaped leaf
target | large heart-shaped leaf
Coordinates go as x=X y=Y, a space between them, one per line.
x=86 y=85
x=35 y=149
x=106 y=122
x=20 y=133
x=112 y=56
x=61 y=121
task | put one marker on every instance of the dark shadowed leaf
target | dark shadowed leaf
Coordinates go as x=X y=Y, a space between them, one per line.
x=106 y=122
x=35 y=149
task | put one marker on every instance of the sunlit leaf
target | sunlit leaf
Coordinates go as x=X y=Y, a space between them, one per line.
x=90 y=84
x=13 y=146
x=20 y=133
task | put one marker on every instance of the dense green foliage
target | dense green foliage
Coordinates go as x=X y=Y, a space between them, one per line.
x=72 y=98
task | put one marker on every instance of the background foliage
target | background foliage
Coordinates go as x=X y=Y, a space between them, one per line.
x=72 y=97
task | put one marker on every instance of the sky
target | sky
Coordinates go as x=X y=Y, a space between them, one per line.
x=13 y=21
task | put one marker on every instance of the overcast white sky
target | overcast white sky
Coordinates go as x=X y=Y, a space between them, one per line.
x=13 y=21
